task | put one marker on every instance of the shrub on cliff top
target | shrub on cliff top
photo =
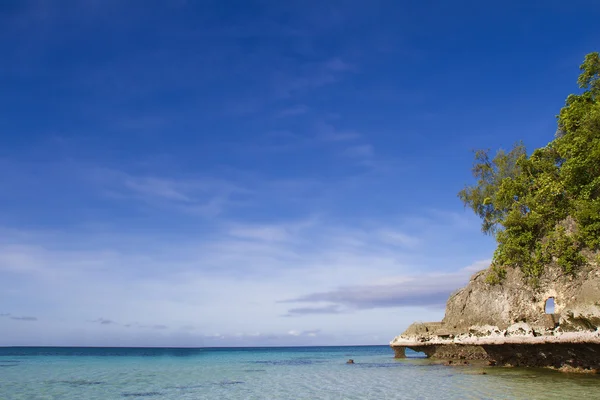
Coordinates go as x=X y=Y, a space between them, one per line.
x=522 y=200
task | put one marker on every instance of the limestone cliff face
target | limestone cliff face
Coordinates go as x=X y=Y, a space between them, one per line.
x=506 y=324
x=576 y=299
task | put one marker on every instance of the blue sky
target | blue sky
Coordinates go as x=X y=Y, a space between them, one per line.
x=226 y=173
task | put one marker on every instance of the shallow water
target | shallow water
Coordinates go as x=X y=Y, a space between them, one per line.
x=267 y=373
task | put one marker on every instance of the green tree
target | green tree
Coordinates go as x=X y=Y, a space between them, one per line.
x=485 y=197
x=525 y=201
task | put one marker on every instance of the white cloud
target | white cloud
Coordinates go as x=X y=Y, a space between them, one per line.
x=272 y=232
x=427 y=290
x=309 y=76
x=478 y=265
x=160 y=188
x=264 y=233
x=398 y=238
x=204 y=197
x=224 y=274
x=230 y=280
x=330 y=309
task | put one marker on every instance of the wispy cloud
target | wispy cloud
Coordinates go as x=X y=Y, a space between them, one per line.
x=429 y=290
x=20 y=258
x=329 y=268
x=310 y=76
x=287 y=338
x=331 y=309
x=311 y=333
x=478 y=266
x=284 y=81
x=321 y=135
x=272 y=232
x=397 y=238
x=205 y=197
x=103 y=321
x=158 y=188
x=263 y=233
x=27 y=318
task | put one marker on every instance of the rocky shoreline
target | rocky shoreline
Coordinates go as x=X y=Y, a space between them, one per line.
x=574 y=351
x=508 y=324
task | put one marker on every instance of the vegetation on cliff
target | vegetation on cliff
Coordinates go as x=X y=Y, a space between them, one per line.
x=545 y=207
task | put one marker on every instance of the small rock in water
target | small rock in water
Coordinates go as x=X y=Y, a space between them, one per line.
x=350 y=361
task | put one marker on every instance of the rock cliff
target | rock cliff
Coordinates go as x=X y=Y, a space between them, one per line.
x=510 y=323
x=576 y=300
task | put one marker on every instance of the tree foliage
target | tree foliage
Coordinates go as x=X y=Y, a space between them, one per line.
x=545 y=207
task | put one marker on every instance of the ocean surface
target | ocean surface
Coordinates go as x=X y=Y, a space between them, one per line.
x=267 y=373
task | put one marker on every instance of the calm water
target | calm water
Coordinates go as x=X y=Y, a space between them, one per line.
x=266 y=373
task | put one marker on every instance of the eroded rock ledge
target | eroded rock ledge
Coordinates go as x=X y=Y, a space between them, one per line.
x=517 y=346
x=510 y=324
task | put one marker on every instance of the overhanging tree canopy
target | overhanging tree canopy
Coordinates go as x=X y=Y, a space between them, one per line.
x=545 y=207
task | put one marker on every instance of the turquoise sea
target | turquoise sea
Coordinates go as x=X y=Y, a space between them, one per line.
x=267 y=373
